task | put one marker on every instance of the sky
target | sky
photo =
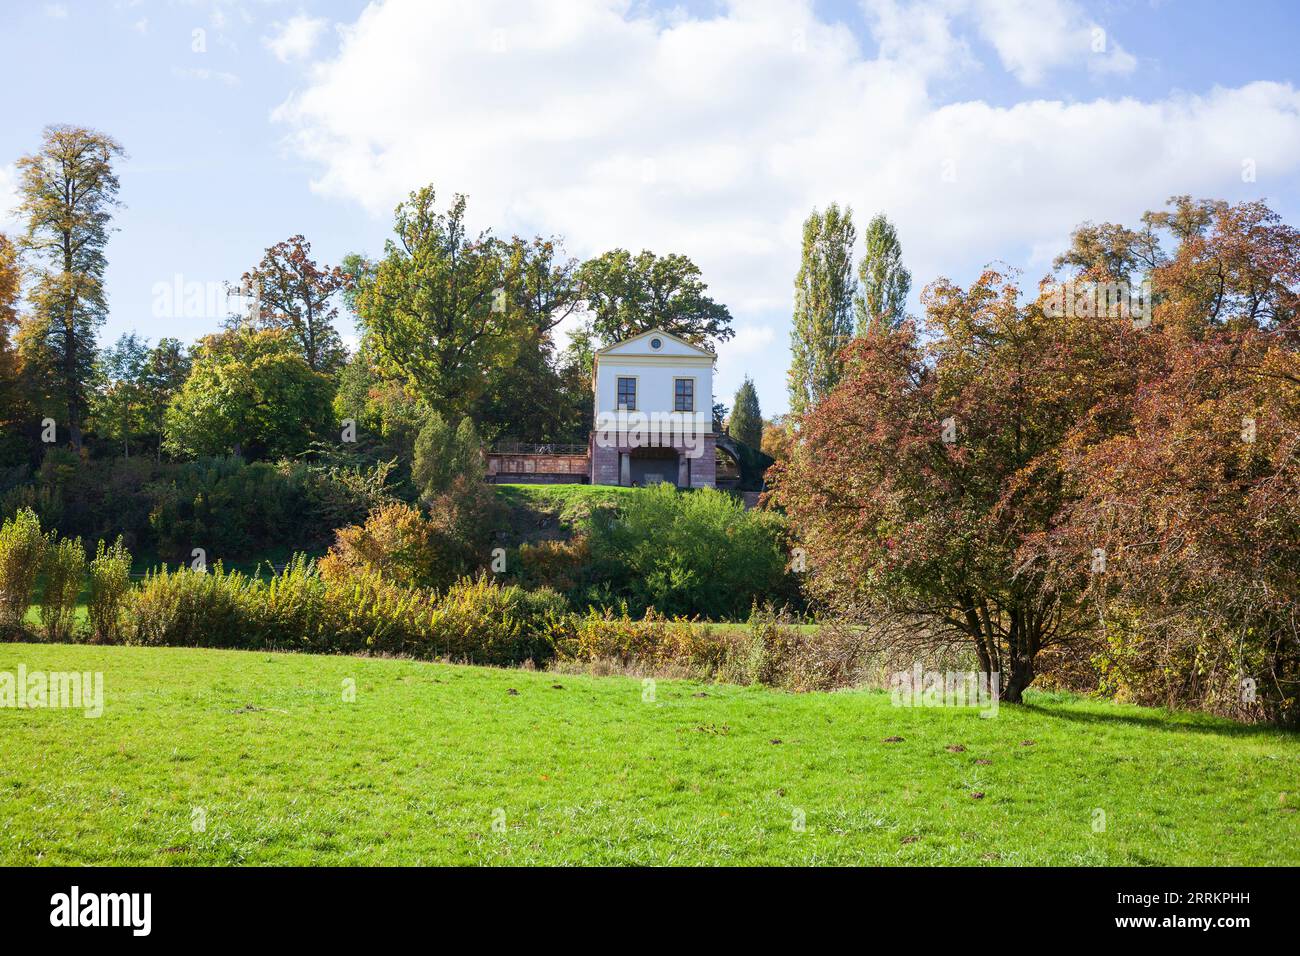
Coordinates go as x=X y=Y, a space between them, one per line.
x=985 y=129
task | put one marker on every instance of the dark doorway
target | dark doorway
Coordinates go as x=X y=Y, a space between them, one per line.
x=652 y=465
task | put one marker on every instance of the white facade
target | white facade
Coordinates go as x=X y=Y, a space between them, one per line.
x=657 y=362
x=653 y=413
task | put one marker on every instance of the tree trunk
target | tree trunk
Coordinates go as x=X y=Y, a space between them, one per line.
x=1017 y=680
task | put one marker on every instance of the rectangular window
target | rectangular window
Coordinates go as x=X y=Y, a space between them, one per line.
x=627 y=394
x=684 y=397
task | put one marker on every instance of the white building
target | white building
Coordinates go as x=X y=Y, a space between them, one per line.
x=653 y=413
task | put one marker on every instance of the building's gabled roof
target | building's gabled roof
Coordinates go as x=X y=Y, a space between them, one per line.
x=622 y=344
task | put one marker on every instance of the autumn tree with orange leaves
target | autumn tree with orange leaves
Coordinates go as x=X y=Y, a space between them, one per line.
x=300 y=297
x=1121 y=488
x=1190 y=486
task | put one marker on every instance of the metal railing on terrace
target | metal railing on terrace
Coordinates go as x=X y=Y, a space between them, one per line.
x=526 y=448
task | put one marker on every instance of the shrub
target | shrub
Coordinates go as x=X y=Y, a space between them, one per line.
x=22 y=547
x=770 y=650
x=482 y=622
x=64 y=570
x=406 y=546
x=698 y=553
x=772 y=642
x=192 y=609
x=110 y=585
x=653 y=644
x=560 y=565
x=779 y=653
x=370 y=614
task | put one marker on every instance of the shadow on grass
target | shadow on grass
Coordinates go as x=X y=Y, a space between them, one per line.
x=1083 y=711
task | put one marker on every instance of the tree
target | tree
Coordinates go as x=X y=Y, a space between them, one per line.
x=12 y=399
x=444 y=455
x=746 y=422
x=1029 y=481
x=823 y=312
x=119 y=405
x=297 y=295
x=778 y=439
x=545 y=285
x=885 y=283
x=68 y=192
x=632 y=294
x=387 y=411
x=437 y=306
x=1125 y=254
x=165 y=372
x=251 y=393
x=1187 y=484
x=1190 y=501
x=919 y=483
x=529 y=399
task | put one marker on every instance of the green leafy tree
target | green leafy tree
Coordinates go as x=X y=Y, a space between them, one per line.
x=823 y=310
x=545 y=285
x=68 y=192
x=746 y=423
x=529 y=399
x=632 y=294
x=249 y=393
x=437 y=306
x=444 y=454
x=386 y=409
x=118 y=408
x=882 y=301
x=165 y=372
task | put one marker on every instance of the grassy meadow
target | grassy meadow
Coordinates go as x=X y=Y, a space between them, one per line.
x=442 y=764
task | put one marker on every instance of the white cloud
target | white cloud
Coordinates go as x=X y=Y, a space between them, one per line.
x=296 y=38
x=1032 y=37
x=141 y=26
x=749 y=340
x=714 y=137
x=56 y=11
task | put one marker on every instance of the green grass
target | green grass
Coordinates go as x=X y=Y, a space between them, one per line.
x=413 y=771
x=563 y=507
x=574 y=494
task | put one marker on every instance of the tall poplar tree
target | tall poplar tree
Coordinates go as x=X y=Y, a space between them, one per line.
x=823 y=310
x=68 y=192
x=882 y=302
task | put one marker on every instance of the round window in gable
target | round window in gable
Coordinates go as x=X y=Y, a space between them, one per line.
x=656 y=343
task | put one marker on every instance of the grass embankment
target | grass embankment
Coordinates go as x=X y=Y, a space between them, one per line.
x=554 y=512
x=417 y=769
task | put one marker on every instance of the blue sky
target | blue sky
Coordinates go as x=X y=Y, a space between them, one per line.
x=985 y=129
